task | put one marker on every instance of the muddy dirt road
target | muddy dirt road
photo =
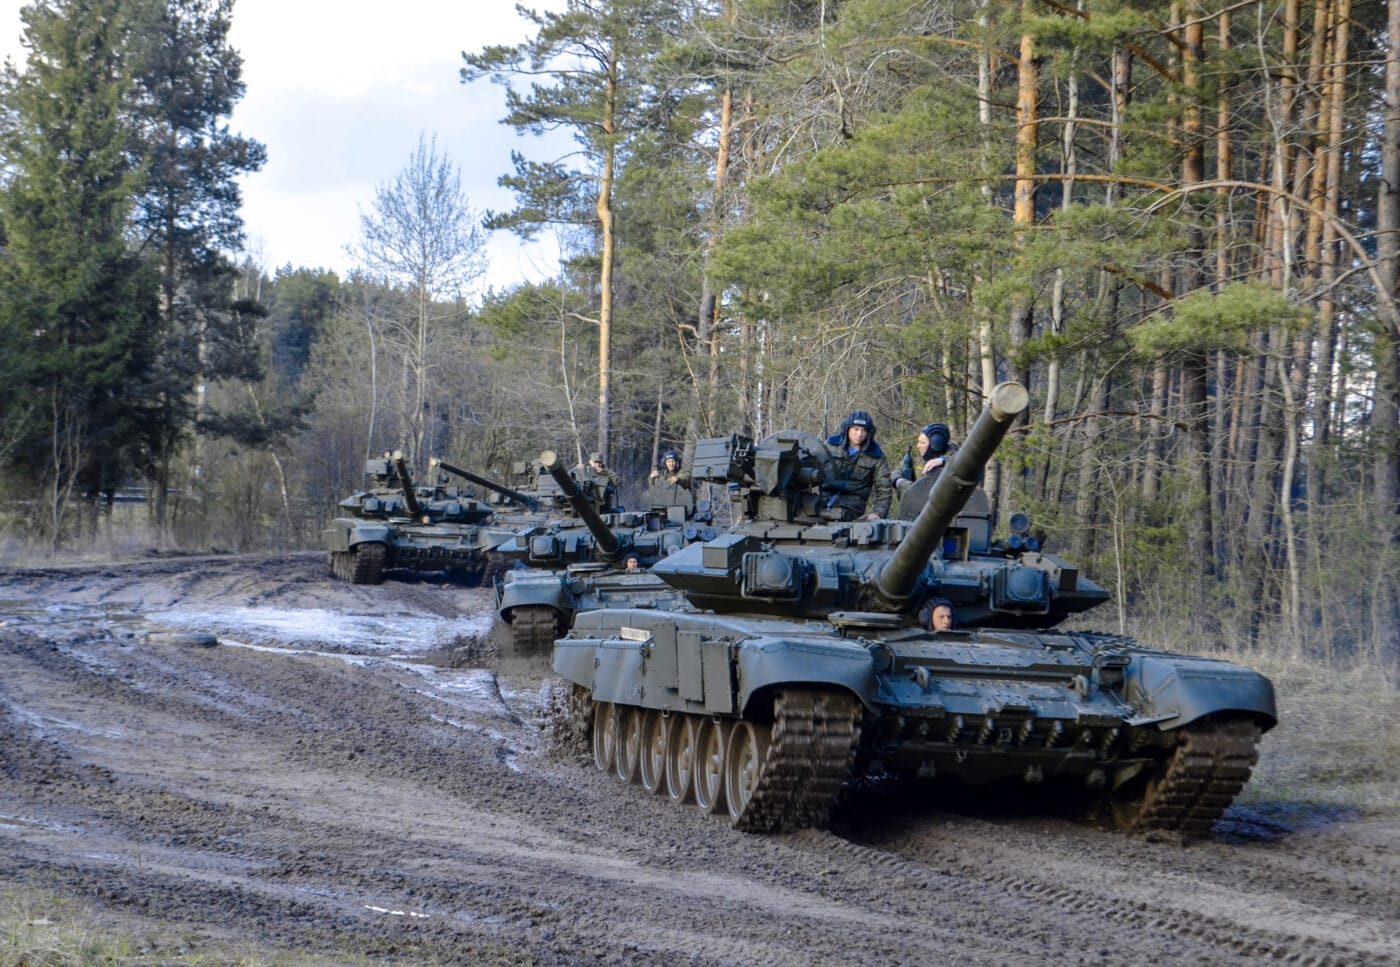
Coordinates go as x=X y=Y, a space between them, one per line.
x=242 y=747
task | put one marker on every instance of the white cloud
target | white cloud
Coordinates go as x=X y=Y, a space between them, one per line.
x=339 y=92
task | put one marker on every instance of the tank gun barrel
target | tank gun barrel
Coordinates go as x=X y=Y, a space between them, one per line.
x=950 y=493
x=410 y=498
x=524 y=500
x=608 y=544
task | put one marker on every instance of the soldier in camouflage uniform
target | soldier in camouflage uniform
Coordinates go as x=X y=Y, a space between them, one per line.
x=862 y=482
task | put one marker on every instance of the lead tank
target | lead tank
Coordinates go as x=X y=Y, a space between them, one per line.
x=805 y=663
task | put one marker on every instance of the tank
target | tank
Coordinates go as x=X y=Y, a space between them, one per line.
x=579 y=559
x=803 y=663
x=394 y=525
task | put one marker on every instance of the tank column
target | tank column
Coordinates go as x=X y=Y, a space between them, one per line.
x=900 y=574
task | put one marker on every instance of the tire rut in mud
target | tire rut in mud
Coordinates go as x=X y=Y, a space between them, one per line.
x=296 y=798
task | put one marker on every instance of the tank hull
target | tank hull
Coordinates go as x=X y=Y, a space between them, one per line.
x=538 y=604
x=460 y=550
x=1099 y=712
x=551 y=570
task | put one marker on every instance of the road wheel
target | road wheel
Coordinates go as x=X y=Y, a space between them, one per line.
x=710 y=743
x=743 y=764
x=604 y=735
x=680 y=758
x=653 y=764
x=629 y=743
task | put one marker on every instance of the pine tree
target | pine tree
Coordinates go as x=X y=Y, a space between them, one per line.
x=593 y=49
x=187 y=222
x=77 y=308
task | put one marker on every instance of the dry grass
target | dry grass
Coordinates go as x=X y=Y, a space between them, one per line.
x=45 y=930
x=1338 y=738
x=42 y=930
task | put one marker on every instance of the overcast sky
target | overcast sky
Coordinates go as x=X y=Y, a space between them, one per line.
x=339 y=91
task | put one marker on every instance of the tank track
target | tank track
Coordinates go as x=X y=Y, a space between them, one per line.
x=1193 y=788
x=368 y=564
x=815 y=735
x=533 y=630
x=570 y=720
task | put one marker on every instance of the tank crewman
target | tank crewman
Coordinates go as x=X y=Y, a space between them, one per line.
x=598 y=468
x=669 y=486
x=671 y=471
x=936 y=615
x=934 y=448
x=862 y=481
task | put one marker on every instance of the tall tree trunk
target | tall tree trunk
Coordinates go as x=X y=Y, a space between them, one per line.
x=1023 y=211
x=1070 y=166
x=1023 y=219
x=1386 y=412
x=707 y=321
x=1224 y=404
x=607 y=225
x=985 y=350
x=1193 y=376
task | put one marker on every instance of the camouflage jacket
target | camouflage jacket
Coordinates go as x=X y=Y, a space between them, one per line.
x=862 y=484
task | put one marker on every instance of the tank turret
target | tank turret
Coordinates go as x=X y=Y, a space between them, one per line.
x=789 y=555
x=607 y=544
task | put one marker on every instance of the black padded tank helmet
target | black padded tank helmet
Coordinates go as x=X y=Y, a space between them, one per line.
x=938 y=439
x=859 y=418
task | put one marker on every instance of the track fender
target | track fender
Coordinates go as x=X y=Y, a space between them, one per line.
x=762 y=663
x=1170 y=691
x=529 y=592
x=344 y=533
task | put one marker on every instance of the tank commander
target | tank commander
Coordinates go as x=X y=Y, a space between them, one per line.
x=936 y=615
x=671 y=471
x=669 y=486
x=934 y=448
x=862 y=482
x=599 y=468
x=602 y=478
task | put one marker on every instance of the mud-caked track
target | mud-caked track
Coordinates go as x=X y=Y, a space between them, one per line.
x=532 y=631
x=357 y=770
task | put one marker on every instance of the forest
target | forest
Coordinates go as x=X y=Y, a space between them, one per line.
x=1178 y=224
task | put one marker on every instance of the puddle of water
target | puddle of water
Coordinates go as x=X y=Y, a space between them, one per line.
x=335 y=630
x=20 y=823
x=31 y=608
x=45 y=725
